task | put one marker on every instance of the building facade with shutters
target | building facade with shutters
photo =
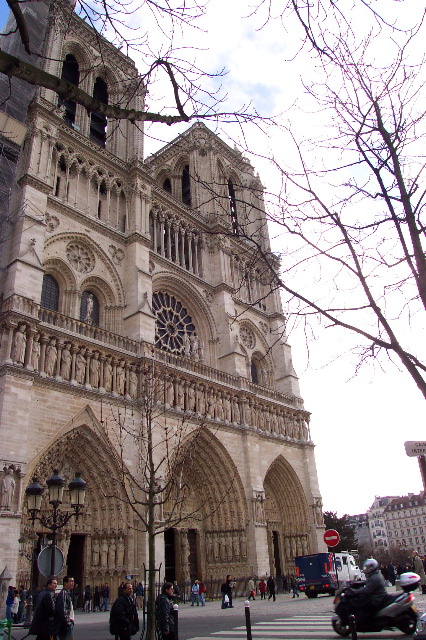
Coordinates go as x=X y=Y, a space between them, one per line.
x=113 y=265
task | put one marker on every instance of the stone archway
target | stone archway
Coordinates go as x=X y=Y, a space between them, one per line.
x=286 y=512
x=98 y=544
x=211 y=538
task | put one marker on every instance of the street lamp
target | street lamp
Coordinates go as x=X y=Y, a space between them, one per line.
x=57 y=519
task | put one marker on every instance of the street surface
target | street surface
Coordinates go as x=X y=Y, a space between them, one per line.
x=285 y=619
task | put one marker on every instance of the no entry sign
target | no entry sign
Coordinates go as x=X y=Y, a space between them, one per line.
x=331 y=538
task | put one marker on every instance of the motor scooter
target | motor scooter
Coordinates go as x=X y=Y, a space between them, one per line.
x=397 y=612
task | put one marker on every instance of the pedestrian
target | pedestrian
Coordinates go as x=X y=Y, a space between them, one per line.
x=64 y=611
x=105 y=598
x=271 y=587
x=15 y=606
x=391 y=573
x=123 y=619
x=251 y=589
x=139 y=591
x=87 y=598
x=262 y=589
x=22 y=602
x=120 y=588
x=229 y=585
x=418 y=568
x=164 y=611
x=294 y=585
x=9 y=602
x=202 y=593
x=195 y=593
x=96 y=599
x=44 y=614
x=176 y=592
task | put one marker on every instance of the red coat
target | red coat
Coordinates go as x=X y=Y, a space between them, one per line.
x=262 y=586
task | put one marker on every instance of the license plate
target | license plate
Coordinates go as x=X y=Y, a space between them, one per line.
x=312 y=587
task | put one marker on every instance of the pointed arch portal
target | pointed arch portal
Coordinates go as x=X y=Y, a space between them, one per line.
x=286 y=512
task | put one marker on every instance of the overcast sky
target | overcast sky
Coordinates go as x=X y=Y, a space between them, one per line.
x=359 y=423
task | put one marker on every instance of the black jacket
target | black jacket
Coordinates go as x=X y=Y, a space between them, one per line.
x=373 y=594
x=63 y=610
x=123 y=618
x=42 y=623
x=165 y=618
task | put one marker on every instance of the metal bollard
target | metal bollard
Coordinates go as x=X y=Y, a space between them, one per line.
x=248 y=621
x=352 y=627
x=176 y=620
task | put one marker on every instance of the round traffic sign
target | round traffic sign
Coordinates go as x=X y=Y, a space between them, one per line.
x=331 y=538
x=44 y=561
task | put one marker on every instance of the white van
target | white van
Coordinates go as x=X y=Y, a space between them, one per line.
x=347 y=569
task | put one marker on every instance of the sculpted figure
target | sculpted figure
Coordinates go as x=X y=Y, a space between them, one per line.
x=111 y=553
x=120 y=552
x=7 y=490
x=180 y=395
x=219 y=407
x=120 y=378
x=133 y=384
x=35 y=351
x=194 y=345
x=235 y=547
x=210 y=404
x=66 y=362
x=95 y=552
x=104 y=553
x=80 y=366
x=94 y=370
x=186 y=345
x=201 y=400
x=51 y=355
x=227 y=408
x=190 y=398
x=236 y=416
x=201 y=351
x=215 y=547
x=169 y=395
x=107 y=374
x=89 y=309
x=20 y=344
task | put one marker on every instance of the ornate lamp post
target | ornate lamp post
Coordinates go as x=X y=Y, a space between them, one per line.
x=57 y=518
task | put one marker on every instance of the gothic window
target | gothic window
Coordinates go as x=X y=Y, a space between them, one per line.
x=167 y=185
x=174 y=329
x=186 y=186
x=233 y=207
x=89 y=308
x=70 y=73
x=98 y=122
x=50 y=293
x=254 y=372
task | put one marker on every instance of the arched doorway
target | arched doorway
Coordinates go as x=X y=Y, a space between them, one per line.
x=286 y=512
x=210 y=539
x=98 y=545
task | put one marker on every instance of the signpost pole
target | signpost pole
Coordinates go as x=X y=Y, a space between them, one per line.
x=422 y=465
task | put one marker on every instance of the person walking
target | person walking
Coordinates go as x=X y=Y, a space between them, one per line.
x=271 y=587
x=9 y=602
x=251 y=590
x=123 y=619
x=139 y=591
x=96 y=599
x=195 y=594
x=419 y=569
x=262 y=589
x=105 y=598
x=15 y=606
x=294 y=585
x=44 y=614
x=164 y=611
x=202 y=593
x=64 y=611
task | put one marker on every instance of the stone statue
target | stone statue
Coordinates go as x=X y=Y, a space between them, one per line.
x=35 y=351
x=95 y=552
x=120 y=552
x=236 y=416
x=8 y=486
x=111 y=554
x=89 y=309
x=80 y=366
x=20 y=344
x=201 y=351
x=94 y=370
x=194 y=345
x=319 y=520
x=201 y=399
x=51 y=355
x=186 y=345
x=190 y=398
x=215 y=547
x=169 y=395
x=66 y=362
x=180 y=396
x=104 y=553
x=107 y=374
x=121 y=379
x=210 y=404
x=227 y=408
x=133 y=384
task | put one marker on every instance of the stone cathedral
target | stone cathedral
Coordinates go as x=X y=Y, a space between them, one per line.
x=111 y=263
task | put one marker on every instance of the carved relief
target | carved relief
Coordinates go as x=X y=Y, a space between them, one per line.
x=80 y=257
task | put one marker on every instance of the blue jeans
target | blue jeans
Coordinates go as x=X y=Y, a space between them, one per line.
x=195 y=597
x=9 y=611
x=104 y=605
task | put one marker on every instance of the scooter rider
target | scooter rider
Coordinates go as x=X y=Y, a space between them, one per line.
x=370 y=598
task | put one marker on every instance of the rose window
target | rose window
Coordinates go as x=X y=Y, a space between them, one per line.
x=174 y=330
x=80 y=257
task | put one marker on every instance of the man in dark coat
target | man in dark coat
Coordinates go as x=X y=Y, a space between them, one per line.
x=123 y=619
x=370 y=598
x=165 y=619
x=42 y=624
x=64 y=611
x=271 y=587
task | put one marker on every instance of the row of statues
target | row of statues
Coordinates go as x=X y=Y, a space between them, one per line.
x=108 y=552
x=226 y=546
x=95 y=370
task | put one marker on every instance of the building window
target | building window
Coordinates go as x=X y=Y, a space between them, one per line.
x=174 y=329
x=70 y=73
x=186 y=186
x=167 y=185
x=50 y=293
x=233 y=207
x=89 y=308
x=98 y=122
x=254 y=372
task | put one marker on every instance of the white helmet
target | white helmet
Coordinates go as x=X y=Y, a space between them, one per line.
x=370 y=566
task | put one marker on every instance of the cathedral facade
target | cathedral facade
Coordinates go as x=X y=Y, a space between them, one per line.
x=114 y=265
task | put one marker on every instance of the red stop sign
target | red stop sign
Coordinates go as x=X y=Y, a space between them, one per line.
x=331 y=538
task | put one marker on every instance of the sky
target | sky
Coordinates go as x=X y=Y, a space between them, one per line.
x=359 y=422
